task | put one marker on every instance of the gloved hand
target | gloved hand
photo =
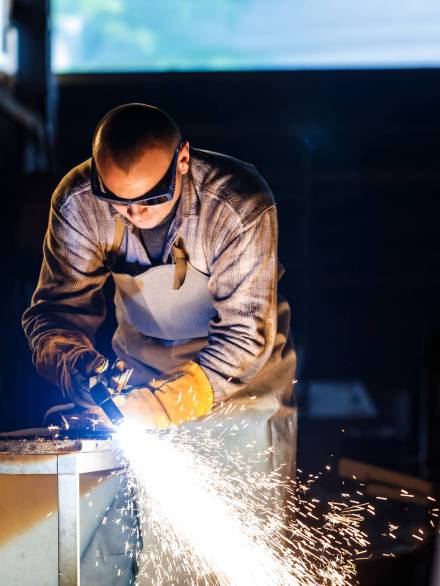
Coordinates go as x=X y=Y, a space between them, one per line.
x=180 y=395
x=84 y=364
x=89 y=364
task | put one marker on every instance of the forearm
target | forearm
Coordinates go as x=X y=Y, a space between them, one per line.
x=60 y=325
x=231 y=362
x=243 y=284
x=68 y=304
x=57 y=354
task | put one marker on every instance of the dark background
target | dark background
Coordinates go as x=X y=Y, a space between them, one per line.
x=352 y=158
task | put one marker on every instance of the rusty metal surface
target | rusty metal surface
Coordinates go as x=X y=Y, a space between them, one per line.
x=48 y=442
x=87 y=460
x=39 y=446
x=52 y=447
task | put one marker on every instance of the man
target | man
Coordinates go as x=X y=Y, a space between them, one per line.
x=190 y=239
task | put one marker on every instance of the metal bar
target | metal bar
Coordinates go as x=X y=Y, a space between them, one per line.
x=68 y=521
x=395 y=494
x=368 y=473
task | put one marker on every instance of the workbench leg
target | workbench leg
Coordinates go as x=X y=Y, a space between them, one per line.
x=68 y=521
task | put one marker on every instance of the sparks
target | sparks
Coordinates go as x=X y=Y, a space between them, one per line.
x=208 y=517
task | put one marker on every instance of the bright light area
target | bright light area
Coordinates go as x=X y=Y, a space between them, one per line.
x=207 y=517
x=171 y=35
x=8 y=40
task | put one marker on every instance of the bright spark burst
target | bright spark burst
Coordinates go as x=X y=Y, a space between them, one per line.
x=208 y=518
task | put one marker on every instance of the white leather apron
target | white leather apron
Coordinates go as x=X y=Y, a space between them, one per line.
x=160 y=326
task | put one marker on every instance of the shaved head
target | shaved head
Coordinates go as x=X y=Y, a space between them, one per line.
x=126 y=132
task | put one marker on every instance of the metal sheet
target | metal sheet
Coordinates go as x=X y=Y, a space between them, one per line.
x=66 y=459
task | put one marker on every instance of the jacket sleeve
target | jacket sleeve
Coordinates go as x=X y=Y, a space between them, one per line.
x=243 y=284
x=68 y=305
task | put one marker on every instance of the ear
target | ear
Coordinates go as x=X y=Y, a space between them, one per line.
x=184 y=159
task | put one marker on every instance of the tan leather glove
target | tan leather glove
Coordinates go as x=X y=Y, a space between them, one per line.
x=181 y=395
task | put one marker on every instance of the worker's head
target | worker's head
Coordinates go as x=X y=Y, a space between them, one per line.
x=139 y=155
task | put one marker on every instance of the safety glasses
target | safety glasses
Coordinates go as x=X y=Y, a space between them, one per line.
x=160 y=193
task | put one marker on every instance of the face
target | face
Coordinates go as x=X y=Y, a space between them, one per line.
x=142 y=177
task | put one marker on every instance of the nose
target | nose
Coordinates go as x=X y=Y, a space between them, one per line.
x=134 y=210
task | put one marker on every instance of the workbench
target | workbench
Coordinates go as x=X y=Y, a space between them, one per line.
x=35 y=452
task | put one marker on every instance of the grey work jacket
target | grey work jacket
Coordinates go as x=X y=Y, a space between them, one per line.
x=228 y=223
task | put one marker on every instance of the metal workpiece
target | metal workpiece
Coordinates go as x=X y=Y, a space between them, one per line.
x=67 y=459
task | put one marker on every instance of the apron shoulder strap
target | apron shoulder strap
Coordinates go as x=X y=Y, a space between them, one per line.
x=180 y=260
x=179 y=254
x=112 y=254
